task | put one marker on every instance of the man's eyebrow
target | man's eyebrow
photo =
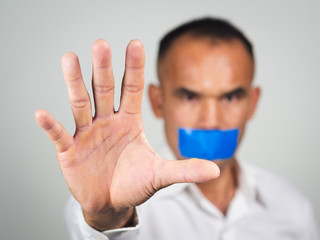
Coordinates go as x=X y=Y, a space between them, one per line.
x=240 y=91
x=184 y=91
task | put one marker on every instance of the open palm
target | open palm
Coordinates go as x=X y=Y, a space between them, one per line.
x=108 y=163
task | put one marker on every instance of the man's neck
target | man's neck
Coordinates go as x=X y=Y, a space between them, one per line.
x=221 y=191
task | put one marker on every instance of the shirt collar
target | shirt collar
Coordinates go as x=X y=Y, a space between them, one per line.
x=246 y=194
x=248 y=185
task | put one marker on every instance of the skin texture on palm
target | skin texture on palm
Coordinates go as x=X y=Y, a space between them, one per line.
x=108 y=164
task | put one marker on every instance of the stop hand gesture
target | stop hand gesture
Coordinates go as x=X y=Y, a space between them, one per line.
x=108 y=164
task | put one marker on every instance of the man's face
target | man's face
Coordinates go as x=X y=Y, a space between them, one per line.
x=205 y=86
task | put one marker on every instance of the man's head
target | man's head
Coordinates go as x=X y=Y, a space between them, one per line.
x=205 y=69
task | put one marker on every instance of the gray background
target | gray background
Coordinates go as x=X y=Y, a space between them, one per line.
x=283 y=137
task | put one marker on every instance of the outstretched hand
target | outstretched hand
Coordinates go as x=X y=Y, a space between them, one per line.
x=108 y=164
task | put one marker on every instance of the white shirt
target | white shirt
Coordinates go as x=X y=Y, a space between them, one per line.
x=264 y=207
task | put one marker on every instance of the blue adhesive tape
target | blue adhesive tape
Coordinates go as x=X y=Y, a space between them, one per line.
x=209 y=144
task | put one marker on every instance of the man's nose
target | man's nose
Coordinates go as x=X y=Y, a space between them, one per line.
x=210 y=115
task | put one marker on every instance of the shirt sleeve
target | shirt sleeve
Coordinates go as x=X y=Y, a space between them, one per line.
x=78 y=229
x=310 y=229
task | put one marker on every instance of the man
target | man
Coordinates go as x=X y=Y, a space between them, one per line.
x=205 y=70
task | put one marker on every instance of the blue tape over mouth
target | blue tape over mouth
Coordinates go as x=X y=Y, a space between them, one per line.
x=209 y=144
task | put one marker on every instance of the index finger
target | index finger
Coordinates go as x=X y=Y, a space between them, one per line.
x=133 y=81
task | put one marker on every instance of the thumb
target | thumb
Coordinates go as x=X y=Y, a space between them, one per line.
x=186 y=171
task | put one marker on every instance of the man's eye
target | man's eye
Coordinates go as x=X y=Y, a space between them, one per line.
x=189 y=96
x=186 y=95
x=232 y=97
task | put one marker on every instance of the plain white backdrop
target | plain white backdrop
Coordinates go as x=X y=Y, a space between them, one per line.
x=283 y=137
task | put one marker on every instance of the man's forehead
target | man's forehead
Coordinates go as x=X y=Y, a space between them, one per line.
x=179 y=45
x=176 y=55
x=189 y=59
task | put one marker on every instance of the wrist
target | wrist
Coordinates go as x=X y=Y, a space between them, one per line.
x=111 y=219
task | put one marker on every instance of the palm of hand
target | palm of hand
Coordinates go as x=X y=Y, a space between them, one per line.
x=110 y=162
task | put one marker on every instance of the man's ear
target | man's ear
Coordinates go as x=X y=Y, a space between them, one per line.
x=254 y=98
x=156 y=99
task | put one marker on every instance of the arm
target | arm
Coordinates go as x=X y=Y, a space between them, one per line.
x=108 y=164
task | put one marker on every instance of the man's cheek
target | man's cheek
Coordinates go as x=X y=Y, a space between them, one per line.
x=236 y=118
x=177 y=118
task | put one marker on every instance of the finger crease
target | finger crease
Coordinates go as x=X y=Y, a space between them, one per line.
x=130 y=113
x=101 y=89
x=57 y=136
x=80 y=103
x=133 y=88
x=185 y=173
x=83 y=128
x=103 y=68
x=75 y=79
x=134 y=68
